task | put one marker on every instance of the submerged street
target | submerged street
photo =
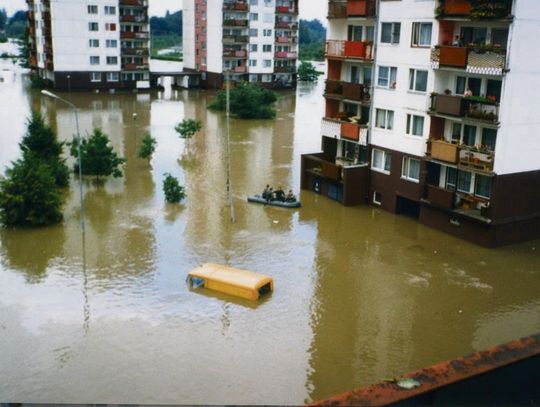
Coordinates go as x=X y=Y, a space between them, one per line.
x=360 y=295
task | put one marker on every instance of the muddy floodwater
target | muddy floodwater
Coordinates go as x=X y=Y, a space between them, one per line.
x=361 y=295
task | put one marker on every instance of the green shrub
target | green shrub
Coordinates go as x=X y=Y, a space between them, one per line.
x=247 y=101
x=174 y=192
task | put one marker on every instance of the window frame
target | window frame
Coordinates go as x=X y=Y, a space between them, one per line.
x=406 y=168
x=393 y=33
x=386 y=159
x=416 y=34
x=388 y=121
x=413 y=80
x=391 y=74
x=410 y=124
x=93 y=74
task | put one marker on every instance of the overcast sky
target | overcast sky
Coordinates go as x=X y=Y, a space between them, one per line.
x=309 y=9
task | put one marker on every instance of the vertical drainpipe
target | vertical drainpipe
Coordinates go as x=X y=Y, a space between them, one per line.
x=372 y=92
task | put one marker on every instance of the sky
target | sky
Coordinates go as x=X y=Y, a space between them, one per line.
x=309 y=9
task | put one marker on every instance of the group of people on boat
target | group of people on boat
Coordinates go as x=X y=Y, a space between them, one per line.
x=278 y=194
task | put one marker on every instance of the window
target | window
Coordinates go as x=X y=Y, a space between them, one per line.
x=483 y=186
x=93 y=43
x=268 y=3
x=410 y=169
x=253 y=32
x=464 y=182
x=418 y=80
x=266 y=78
x=253 y=17
x=94 y=60
x=254 y=2
x=252 y=78
x=387 y=77
x=489 y=138
x=451 y=178
x=415 y=125
x=354 y=32
x=268 y=18
x=377 y=197
x=381 y=161
x=421 y=35
x=111 y=43
x=267 y=63
x=112 y=60
x=384 y=119
x=267 y=33
x=390 y=33
x=110 y=26
x=252 y=62
x=93 y=27
x=95 y=76
x=110 y=10
x=92 y=9
x=112 y=76
x=267 y=48
x=252 y=47
x=469 y=135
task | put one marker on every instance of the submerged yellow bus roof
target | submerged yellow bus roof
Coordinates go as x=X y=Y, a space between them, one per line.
x=231 y=275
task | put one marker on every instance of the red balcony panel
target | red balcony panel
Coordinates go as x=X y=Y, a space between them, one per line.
x=453 y=56
x=350 y=131
x=457 y=7
x=357 y=8
x=440 y=197
x=355 y=49
x=282 y=9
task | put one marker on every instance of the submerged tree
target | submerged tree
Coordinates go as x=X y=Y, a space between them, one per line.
x=98 y=157
x=41 y=143
x=148 y=147
x=247 y=101
x=188 y=127
x=29 y=195
x=307 y=72
x=174 y=192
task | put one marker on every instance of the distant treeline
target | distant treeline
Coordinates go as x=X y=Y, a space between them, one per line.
x=312 y=38
x=13 y=27
x=171 y=24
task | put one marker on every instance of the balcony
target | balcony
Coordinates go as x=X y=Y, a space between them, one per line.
x=349 y=49
x=235 y=5
x=474 y=107
x=135 y=51
x=484 y=60
x=135 y=67
x=475 y=159
x=235 y=22
x=133 y=19
x=240 y=69
x=284 y=10
x=440 y=197
x=285 y=40
x=235 y=39
x=316 y=164
x=285 y=55
x=134 y=3
x=346 y=90
x=285 y=24
x=351 y=8
x=284 y=69
x=134 y=35
x=442 y=150
x=347 y=130
x=241 y=54
x=486 y=10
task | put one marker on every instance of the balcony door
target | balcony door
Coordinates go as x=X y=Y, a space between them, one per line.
x=355 y=74
x=354 y=33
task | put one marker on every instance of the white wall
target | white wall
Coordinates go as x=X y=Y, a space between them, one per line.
x=188 y=33
x=71 y=35
x=518 y=139
x=261 y=9
x=214 y=46
x=401 y=100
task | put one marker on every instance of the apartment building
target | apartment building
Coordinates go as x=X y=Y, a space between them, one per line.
x=90 y=44
x=249 y=40
x=440 y=130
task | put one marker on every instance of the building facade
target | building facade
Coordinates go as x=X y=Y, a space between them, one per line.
x=90 y=44
x=438 y=129
x=249 y=40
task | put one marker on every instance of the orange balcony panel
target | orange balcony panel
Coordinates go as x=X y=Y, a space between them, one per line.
x=350 y=131
x=453 y=56
x=355 y=49
x=457 y=7
x=441 y=150
x=357 y=7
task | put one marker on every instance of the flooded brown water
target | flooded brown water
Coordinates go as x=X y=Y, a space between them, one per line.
x=361 y=295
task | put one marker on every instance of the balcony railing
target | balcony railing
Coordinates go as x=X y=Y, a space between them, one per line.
x=470 y=157
x=285 y=55
x=136 y=3
x=240 y=69
x=495 y=9
x=284 y=69
x=235 y=5
x=135 y=51
x=235 y=22
x=285 y=40
x=235 y=39
x=473 y=107
x=440 y=197
x=349 y=49
x=128 y=18
x=234 y=53
x=316 y=164
x=348 y=130
x=132 y=34
x=347 y=90
x=284 y=10
x=486 y=60
x=443 y=151
x=135 y=67
x=351 y=8
x=285 y=24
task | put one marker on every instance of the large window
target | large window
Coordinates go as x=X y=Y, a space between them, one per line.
x=451 y=178
x=469 y=135
x=410 y=169
x=489 y=138
x=421 y=35
x=384 y=119
x=387 y=77
x=381 y=161
x=418 y=80
x=483 y=186
x=95 y=76
x=112 y=76
x=464 y=182
x=112 y=60
x=415 y=125
x=390 y=33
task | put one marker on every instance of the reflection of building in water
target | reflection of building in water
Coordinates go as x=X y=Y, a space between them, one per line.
x=80 y=46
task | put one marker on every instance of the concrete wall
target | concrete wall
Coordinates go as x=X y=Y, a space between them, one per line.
x=214 y=45
x=188 y=33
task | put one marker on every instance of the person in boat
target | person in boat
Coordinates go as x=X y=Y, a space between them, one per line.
x=290 y=197
x=269 y=194
x=279 y=195
x=266 y=192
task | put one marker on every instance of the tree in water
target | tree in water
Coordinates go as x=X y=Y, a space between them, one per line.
x=247 y=101
x=98 y=157
x=174 y=192
x=29 y=195
x=148 y=146
x=41 y=143
x=307 y=72
x=188 y=127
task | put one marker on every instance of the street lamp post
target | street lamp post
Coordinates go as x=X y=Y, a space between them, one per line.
x=52 y=95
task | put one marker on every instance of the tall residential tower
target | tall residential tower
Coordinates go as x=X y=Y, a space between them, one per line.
x=250 y=40
x=442 y=123
x=90 y=44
